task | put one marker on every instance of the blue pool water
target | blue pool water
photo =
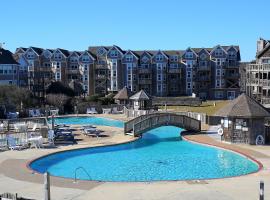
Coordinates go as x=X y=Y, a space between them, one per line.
x=159 y=155
x=88 y=121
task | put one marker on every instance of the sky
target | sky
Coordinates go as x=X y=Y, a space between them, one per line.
x=134 y=24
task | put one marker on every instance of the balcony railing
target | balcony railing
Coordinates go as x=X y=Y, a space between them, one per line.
x=101 y=66
x=144 y=71
x=204 y=78
x=258 y=67
x=145 y=81
x=73 y=71
x=174 y=71
x=204 y=68
x=100 y=76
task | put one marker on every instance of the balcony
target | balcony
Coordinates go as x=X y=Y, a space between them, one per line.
x=174 y=71
x=144 y=71
x=73 y=71
x=258 y=67
x=101 y=76
x=203 y=78
x=145 y=81
x=204 y=68
x=232 y=75
x=101 y=66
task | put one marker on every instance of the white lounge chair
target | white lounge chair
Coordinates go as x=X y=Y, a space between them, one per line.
x=12 y=143
x=2 y=127
x=91 y=110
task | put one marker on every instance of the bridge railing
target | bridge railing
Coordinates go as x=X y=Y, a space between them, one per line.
x=129 y=125
x=157 y=120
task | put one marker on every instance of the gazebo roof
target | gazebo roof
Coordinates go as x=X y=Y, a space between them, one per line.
x=243 y=106
x=123 y=94
x=141 y=95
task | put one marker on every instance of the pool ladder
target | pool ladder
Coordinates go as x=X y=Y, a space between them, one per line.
x=75 y=175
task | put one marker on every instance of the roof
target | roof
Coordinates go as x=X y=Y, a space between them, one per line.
x=123 y=94
x=243 y=106
x=266 y=47
x=6 y=57
x=37 y=50
x=141 y=95
x=65 y=52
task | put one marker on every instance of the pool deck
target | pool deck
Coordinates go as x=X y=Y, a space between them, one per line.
x=15 y=177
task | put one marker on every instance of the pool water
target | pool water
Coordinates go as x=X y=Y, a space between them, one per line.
x=159 y=155
x=88 y=121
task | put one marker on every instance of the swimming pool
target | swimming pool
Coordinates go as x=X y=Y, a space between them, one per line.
x=88 y=120
x=158 y=156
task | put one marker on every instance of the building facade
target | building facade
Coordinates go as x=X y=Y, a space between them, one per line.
x=210 y=73
x=9 y=68
x=258 y=74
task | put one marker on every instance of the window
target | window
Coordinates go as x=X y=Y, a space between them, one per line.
x=174 y=66
x=145 y=59
x=145 y=66
x=159 y=77
x=159 y=57
x=188 y=74
x=85 y=77
x=85 y=67
x=129 y=77
x=174 y=58
x=218 y=72
x=159 y=88
x=218 y=52
x=57 y=65
x=189 y=54
x=57 y=75
x=218 y=83
x=129 y=58
x=218 y=94
x=232 y=54
x=203 y=63
x=203 y=56
x=188 y=85
x=159 y=66
x=129 y=66
x=85 y=59
x=114 y=53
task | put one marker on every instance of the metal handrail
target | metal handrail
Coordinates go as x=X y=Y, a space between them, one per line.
x=75 y=174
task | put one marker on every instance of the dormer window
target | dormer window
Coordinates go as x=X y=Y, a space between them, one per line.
x=231 y=54
x=58 y=56
x=218 y=52
x=129 y=58
x=30 y=55
x=189 y=55
x=100 y=51
x=145 y=59
x=159 y=57
x=174 y=58
x=203 y=56
x=114 y=53
x=85 y=59
x=73 y=59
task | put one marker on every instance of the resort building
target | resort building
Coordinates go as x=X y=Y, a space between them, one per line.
x=9 y=68
x=209 y=73
x=258 y=74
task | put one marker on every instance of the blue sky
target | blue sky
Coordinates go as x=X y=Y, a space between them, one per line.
x=140 y=24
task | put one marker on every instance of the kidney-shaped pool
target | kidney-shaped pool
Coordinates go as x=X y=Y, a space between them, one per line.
x=159 y=155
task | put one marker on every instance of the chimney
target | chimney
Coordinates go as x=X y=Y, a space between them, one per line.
x=260 y=44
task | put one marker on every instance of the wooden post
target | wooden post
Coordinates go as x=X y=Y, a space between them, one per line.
x=261 y=190
x=47 y=195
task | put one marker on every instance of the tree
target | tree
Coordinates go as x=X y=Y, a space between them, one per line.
x=59 y=88
x=58 y=100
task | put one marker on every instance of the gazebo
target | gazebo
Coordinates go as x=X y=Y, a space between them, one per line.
x=243 y=121
x=141 y=101
x=122 y=97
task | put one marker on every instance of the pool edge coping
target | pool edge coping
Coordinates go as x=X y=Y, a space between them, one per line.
x=260 y=165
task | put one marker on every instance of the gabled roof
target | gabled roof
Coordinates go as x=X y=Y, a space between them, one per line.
x=141 y=95
x=6 y=57
x=64 y=51
x=162 y=52
x=267 y=46
x=123 y=94
x=37 y=50
x=243 y=106
x=131 y=52
x=94 y=49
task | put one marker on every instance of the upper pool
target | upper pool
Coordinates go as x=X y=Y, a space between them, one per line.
x=89 y=120
x=159 y=155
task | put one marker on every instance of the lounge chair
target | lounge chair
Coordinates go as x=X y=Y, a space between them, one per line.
x=36 y=141
x=106 y=110
x=12 y=143
x=91 y=110
x=3 y=144
x=115 y=111
x=91 y=132
x=2 y=127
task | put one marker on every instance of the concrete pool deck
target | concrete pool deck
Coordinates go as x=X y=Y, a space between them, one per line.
x=15 y=177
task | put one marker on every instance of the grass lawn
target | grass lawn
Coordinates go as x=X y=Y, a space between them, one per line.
x=206 y=107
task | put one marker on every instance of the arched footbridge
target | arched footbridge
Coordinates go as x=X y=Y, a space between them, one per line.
x=143 y=123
